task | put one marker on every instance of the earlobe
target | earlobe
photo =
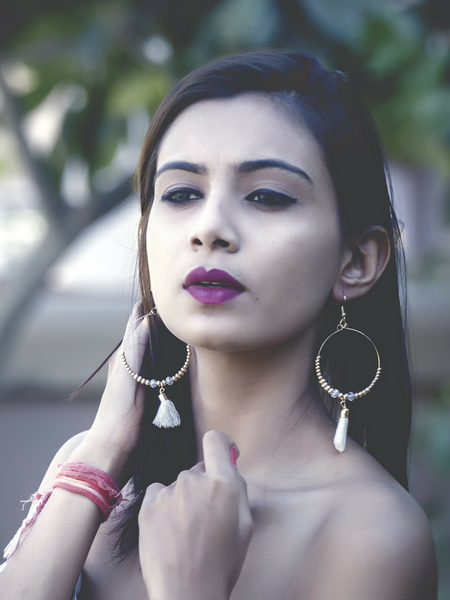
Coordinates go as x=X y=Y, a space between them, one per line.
x=364 y=265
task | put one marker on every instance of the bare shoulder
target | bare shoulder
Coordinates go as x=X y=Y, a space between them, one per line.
x=378 y=544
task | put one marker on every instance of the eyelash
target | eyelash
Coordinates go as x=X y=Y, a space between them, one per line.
x=272 y=199
x=169 y=196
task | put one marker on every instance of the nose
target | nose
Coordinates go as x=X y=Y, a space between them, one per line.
x=215 y=226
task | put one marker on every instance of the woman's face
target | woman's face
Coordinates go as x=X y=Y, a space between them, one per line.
x=244 y=241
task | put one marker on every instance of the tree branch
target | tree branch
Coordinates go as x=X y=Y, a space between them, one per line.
x=51 y=200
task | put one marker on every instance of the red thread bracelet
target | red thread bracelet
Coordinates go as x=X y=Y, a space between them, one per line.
x=88 y=481
x=76 y=477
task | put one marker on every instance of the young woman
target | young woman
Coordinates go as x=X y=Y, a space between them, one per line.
x=265 y=209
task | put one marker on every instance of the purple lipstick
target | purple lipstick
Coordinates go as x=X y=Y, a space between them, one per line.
x=212 y=287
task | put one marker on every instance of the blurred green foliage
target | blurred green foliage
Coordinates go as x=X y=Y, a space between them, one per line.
x=123 y=57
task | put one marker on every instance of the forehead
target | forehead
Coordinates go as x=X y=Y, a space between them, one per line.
x=246 y=127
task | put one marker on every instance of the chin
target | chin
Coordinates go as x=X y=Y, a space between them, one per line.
x=213 y=334
x=218 y=341
x=226 y=345
x=228 y=338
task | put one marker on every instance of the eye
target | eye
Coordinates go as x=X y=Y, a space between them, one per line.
x=270 y=198
x=181 y=195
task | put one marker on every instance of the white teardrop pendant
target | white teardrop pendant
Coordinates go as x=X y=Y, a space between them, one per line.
x=340 y=437
x=167 y=415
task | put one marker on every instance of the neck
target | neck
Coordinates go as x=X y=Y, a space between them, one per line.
x=265 y=400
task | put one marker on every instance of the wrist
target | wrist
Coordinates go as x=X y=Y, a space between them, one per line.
x=103 y=455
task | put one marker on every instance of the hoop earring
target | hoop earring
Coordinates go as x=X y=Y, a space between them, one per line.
x=167 y=415
x=340 y=438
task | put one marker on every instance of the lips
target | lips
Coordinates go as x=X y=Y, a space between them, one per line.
x=212 y=287
x=201 y=276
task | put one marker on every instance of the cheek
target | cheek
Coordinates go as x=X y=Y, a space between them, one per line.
x=161 y=253
x=299 y=275
x=307 y=260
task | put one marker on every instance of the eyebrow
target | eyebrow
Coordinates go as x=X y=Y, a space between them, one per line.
x=182 y=165
x=248 y=166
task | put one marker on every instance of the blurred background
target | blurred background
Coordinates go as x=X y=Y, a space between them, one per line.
x=79 y=82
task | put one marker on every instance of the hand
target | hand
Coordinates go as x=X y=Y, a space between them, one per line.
x=194 y=534
x=117 y=424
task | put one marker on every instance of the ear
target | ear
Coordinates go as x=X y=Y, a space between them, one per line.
x=363 y=264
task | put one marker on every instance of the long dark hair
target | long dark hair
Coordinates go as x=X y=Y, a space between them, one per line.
x=323 y=101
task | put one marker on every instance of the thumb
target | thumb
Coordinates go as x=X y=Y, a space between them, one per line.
x=245 y=515
x=242 y=484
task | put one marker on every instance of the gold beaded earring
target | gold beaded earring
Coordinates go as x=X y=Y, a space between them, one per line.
x=167 y=415
x=340 y=438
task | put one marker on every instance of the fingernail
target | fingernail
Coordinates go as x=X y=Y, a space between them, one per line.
x=233 y=456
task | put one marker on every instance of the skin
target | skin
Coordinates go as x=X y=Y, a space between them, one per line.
x=295 y=519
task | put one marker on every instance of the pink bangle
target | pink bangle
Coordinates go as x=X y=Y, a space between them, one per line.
x=88 y=481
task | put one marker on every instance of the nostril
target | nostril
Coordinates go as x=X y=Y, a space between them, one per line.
x=222 y=243
x=218 y=242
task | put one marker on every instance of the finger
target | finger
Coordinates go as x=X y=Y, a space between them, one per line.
x=199 y=467
x=136 y=337
x=217 y=450
x=152 y=492
x=216 y=453
x=137 y=320
x=245 y=515
x=133 y=321
x=242 y=484
x=137 y=315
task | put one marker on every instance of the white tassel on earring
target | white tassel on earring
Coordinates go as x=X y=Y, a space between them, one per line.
x=167 y=415
x=340 y=437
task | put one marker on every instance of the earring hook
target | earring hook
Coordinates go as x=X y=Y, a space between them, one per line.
x=342 y=322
